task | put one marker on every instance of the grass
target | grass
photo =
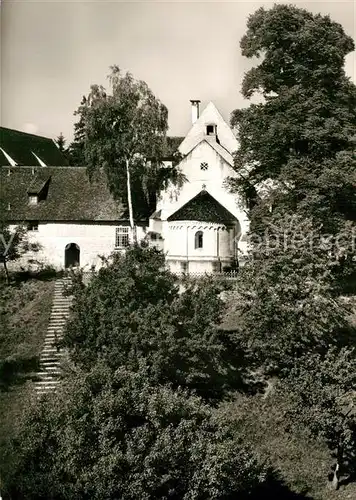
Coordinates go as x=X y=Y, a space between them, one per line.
x=26 y=309
x=302 y=463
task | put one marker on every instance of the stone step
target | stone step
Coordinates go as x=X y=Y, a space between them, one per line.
x=49 y=355
x=48 y=380
x=52 y=357
x=49 y=372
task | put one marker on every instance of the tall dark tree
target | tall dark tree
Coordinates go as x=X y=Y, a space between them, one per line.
x=61 y=142
x=76 y=153
x=302 y=136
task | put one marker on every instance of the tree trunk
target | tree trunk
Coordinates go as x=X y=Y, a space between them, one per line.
x=336 y=477
x=129 y=201
x=6 y=273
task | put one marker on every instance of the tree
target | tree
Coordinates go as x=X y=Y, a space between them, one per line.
x=301 y=138
x=131 y=314
x=61 y=143
x=13 y=241
x=285 y=297
x=76 y=152
x=320 y=392
x=125 y=136
x=115 y=436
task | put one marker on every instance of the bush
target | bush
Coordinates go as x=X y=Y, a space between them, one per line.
x=115 y=436
x=131 y=314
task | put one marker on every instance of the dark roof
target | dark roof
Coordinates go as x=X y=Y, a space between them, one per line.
x=65 y=194
x=156 y=215
x=203 y=207
x=20 y=146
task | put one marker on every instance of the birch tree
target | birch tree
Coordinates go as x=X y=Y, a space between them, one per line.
x=125 y=137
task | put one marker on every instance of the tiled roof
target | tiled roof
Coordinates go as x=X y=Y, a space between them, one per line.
x=23 y=147
x=65 y=194
x=203 y=207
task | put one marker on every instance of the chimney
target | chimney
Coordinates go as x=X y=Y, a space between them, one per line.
x=195 y=109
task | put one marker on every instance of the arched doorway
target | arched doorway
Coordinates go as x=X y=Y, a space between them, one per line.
x=71 y=255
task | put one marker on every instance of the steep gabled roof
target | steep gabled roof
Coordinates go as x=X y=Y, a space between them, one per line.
x=197 y=133
x=203 y=207
x=28 y=149
x=68 y=195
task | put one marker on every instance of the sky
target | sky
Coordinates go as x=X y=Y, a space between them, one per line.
x=51 y=52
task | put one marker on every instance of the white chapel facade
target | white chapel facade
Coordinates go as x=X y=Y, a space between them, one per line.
x=201 y=225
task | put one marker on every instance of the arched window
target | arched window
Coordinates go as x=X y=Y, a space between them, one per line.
x=198 y=239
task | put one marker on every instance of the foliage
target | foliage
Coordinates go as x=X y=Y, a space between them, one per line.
x=61 y=143
x=131 y=314
x=75 y=151
x=25 y=308
x=13 y=241
x=13 y=244
x=301 y=460
x=298 y=144
x=285 y=298
x=123 y=133
x=114 y=436
x=25 y=311
x=321 y=395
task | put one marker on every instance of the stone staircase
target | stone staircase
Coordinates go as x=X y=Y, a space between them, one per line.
x=50 y=359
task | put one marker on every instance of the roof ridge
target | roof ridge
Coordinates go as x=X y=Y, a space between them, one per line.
x=42 y=168
x=27 y=133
